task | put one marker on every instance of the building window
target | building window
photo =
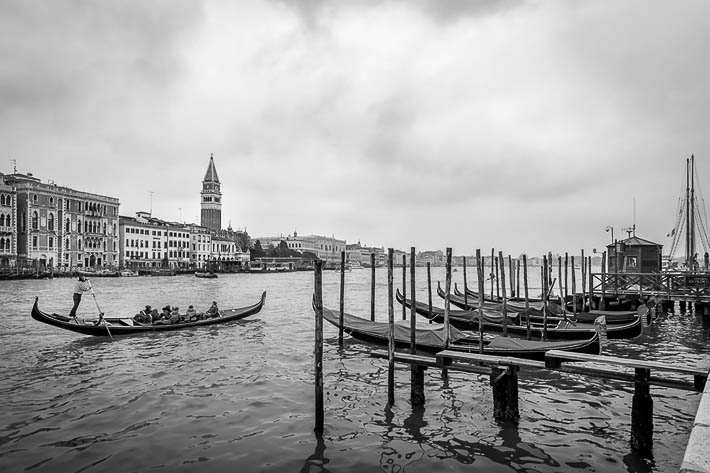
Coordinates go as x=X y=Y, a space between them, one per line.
x=35 y=220
x=66 y=246
x=34 y=242
x=51 y=242
x=8 y=222
x=50 y=222
x=51 y=201
x=34 y=198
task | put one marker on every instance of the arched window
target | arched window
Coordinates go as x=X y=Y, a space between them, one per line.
x=2 y=219
x=67 y=245
x=68 y=226
x=2 y=244
x=2 y=199
x=78 y=226
x=86 y=226
x=50 y=222
x=35 y=220
x=8 y=221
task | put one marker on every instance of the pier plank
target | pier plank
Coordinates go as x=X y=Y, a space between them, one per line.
x=446 y=356
x=626 y=362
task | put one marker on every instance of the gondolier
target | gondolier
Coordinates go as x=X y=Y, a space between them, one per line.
x=82 y=285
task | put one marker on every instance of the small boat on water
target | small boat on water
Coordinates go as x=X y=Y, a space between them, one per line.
x=101 y=273
x=114 y=326
x=208 y=275
x=127 y=273
x=557 y=329
x=430 y=338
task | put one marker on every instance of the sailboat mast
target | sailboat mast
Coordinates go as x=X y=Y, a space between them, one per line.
x=691 y=221
x=688 y=230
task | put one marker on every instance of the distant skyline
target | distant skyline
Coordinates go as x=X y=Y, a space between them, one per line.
x=520 y=125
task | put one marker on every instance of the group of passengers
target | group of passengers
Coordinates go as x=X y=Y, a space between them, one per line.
x=172 y=315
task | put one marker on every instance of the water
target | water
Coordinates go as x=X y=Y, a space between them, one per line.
x=240 y=397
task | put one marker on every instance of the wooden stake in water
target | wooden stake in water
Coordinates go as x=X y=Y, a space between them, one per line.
x=480 y=267
x=416 y=371
x=602 y=302
x=497 y=280
x=564 y=304
x=504 y=300
x=447 y=300
x=527 y=298
x=318 y=276
x=545 y=278
x=583 y=281
x=390 y=333
x=413 y=311
x=591 y=281
x=517 y=279
x=372 y=288
x=559 y=278
x=574 y=290
x=404 y=285
x=428 y=283
x=465 y=284
x=513 y=294
x=493 y=257
x=342 y=298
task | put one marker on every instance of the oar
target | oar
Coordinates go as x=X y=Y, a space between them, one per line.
x=101 y=314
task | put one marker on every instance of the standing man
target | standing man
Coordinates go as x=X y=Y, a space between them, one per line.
x=82 y=286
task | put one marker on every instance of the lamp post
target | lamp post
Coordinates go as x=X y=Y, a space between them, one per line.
x=612 y=233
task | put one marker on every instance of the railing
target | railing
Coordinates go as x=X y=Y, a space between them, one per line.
x=695 y=284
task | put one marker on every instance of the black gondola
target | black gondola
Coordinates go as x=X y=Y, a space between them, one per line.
x=113 y=326
x=430 y=338
x=557 y=329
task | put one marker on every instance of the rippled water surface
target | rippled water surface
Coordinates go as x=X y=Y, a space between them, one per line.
x=240 y=397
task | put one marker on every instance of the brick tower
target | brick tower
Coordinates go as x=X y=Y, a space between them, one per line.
x=211 y=216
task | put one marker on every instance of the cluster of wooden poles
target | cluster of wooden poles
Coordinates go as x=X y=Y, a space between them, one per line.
x=498 y=282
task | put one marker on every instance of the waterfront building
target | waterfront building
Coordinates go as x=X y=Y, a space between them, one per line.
x=211 y=199
x=325 y=248
x=149 y=242
x=226 y=254
x=8 y=226
x=437 y=258
x=200 y=246
x=634 y=255
x=60 y=227
x=359 y=255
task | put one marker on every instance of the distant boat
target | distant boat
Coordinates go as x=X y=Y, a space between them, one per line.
x=101 y=273
x=209 y=275
x=127 y=273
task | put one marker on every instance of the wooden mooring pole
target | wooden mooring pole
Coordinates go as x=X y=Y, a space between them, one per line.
x=318 y=283
x=342 y=298
x=428 y=284
x=372 y=288
x=591 y=283
x=574 y=290
x=497 y=280
x=404 y=285
x=447 y=308
x=417 y=371
x=491 y=276
x=480 y=268
x=642 y=412
x=504 y=383
x=511 y=274
x=390 y=333
x=602 y=301
x=564 y=304
x=527 y=295
x=465 y=284
x=505 y=304
x=583 y=281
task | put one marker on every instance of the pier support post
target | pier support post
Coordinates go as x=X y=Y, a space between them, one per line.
x=417 y=380
x=318 y=302
x=642 y=413
x=681 y=306
x=505 y=393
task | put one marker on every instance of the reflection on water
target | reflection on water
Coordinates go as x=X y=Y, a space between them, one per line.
x=241 y=396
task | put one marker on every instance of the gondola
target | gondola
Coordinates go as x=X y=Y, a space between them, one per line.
x=612 y=316
x=199 y=274
x=556 y=330
x=114 y=326
x=430 y=338
x=515 y=305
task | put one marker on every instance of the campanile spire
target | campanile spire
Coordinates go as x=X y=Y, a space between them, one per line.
x=211 y=199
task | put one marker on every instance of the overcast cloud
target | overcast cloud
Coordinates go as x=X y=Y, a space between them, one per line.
x=524 y=126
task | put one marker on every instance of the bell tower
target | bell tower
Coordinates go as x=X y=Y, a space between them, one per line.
x=211 y=204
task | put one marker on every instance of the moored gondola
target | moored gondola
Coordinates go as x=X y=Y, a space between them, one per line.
x=113 y=326
x=557 y=329
x=430 y=338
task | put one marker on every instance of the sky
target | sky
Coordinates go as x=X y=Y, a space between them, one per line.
x=524 y=126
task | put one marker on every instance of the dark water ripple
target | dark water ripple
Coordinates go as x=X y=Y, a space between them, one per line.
x=241 y=397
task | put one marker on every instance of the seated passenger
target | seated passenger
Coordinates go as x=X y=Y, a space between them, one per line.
x=191 y=314
x=174 y=315
x=213 y=311
x=164 y=317
x=143 y=317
